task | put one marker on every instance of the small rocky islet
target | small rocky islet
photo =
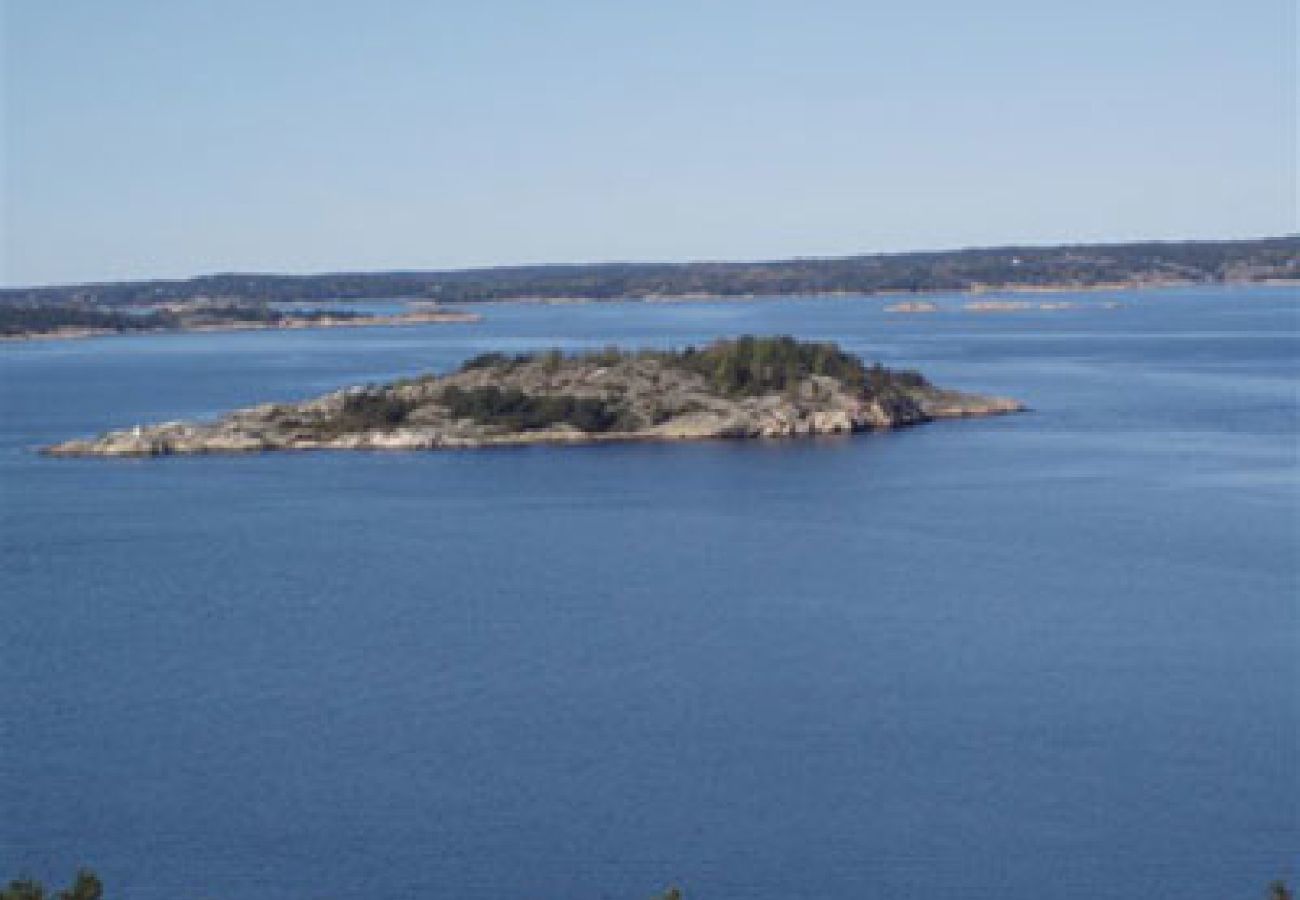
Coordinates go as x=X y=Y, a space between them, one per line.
x=740 y=388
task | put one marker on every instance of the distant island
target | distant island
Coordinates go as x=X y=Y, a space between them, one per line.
x=1004 y=268
x=75 y=320
x=748 y=387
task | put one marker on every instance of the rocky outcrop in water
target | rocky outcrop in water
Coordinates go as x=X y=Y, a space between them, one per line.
x=747 y=388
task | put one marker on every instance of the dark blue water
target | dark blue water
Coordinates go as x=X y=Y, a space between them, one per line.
x=1052 y=655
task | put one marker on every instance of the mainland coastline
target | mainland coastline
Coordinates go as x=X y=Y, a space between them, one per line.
x=67 y=323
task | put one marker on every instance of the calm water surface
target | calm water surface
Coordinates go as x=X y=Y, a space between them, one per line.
x=1045 y=655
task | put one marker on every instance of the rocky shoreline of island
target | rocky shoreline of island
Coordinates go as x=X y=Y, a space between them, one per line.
x=730 y=389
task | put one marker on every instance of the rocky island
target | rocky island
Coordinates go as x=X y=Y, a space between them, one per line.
x=743 y=388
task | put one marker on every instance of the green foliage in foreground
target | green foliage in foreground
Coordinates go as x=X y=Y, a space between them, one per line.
x=86 y=886
x=513 y=410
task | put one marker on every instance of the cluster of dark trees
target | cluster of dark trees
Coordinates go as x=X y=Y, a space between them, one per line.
x=747 y=366
x=1078 y=265
x=750 y=366
x=513 y=410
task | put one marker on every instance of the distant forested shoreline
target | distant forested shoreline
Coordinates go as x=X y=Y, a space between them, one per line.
x=1078 y=266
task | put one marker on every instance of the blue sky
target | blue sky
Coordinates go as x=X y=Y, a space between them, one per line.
x=148 y=138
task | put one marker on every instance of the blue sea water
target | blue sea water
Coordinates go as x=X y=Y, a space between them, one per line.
x=1050 y=655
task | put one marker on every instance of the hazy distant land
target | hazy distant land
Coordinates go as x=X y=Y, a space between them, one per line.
x=1005 y=268
x=23 y=321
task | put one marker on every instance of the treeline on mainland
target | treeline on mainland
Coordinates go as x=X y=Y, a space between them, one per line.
x=1065 y=266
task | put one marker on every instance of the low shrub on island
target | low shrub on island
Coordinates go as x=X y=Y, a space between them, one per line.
x=513 y=410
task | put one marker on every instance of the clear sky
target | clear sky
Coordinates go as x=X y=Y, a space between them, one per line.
x=148 y=138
